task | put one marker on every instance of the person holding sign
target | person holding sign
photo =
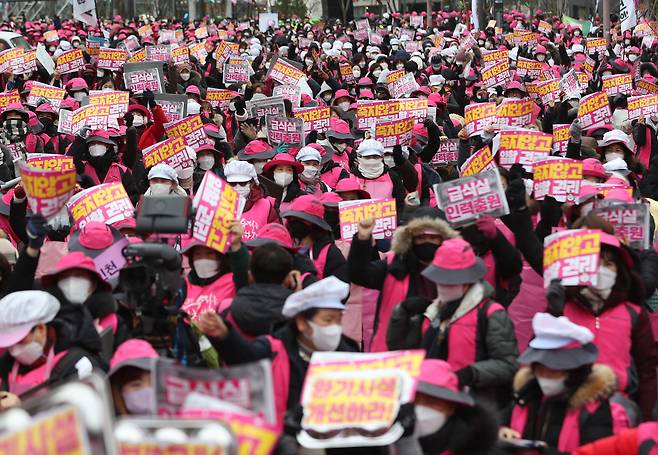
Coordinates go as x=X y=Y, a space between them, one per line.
x=562 y=397
x=622 y=330
x=15 y=130
x=314 y=317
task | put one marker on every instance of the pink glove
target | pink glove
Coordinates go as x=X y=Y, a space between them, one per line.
x=487 y=226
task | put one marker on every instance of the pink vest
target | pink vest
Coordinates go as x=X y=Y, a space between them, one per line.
x=280 y=378
x=462 y=337
x=321 y=261
x=569 y=439
x=19 y=384
x=612 y=335
x=379 y=188
x=113 y=173
x=202 y=298
x=647 y=433
x=393 y=292
x=111 y=320
x=331 y=178
x=342 y=160
x=255 y=218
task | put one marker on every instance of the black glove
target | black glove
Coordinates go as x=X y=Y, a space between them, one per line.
x=149 y=97
x=465 y=376
x=397 y=155
x=312 y=137
x=516 y=196
x=407 y=418
x=128 y=119
x=551 y=211
x=240 y=108
x=555 y=295
x=416 y=305
x=36 y=231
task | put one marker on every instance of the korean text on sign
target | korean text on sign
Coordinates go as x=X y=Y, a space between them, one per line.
x=54 y=95
x=642 y=106
x=287 y=130
x=478 y=116
x=523 y=147
x=369 y=113
x=513 y=113
x=395 y=132
x=557 y=177
x=190 y=129
x=478 y=162
x=594 y=110
x=572 y=256
x=47 y=191
x=70 y=61
x=447 y=153
x=383 y=211
x=315 y=118
x=217 y=204
x=106 y=203
x=631 y=222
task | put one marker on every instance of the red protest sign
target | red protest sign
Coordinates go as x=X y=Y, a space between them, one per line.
x=220 y=98
x=557 y=177
x=315 y=118
x=513 y=113
x=395 y=132
x=478 y=162
x=94 y=116
x=163 y=151
x=642 y=106
x=54 y=95
x=191 y=130
x=616 y=84
x=285 y=73
x=47 y=191
x=496 y=74
x=370 y=113
x=522 y=146
x=560 y=138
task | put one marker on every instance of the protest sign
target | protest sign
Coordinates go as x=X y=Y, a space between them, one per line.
x=447 y=153
x=284 y=72
x=93 y=44
x=54 y=95
x=524 y=37
x=93 y=116
x=180 y=55
x=59 y=431
x=513 y=113
x=70 y=61
x=199 y=51
x=497 y=74
x=115 y=99
x=111 y=59
x=572 y=256
x=64 y=125
x=492 y=58
x=545 y=27
x=599 y=45
x=220 y=98
x=50 y=161
x=286 y=130
x=47 y=191
x=174 y=106
x=346 y=73
x=267 y=20
x=375 y=39
x=583 y=80
x=157 y=52
x=569 y=85
x=630 y=220
x=528 y=68
x=404 y=85
x=369 y=113
x=594 y=110
x=143 y=76
x=236 y=72
x=561 y=138
x=466 y=199
x=138 y=56
x=145 y=30
x=549 y=91
x=8 y=57
x=616 y=84
x=479 y=116
x=190 y=129
x=7 y=98
x=106 y=203
x=315 y=118
x=587 y=66
x=248 y=386
x=645 y=87
x=293 y=93
x=110 y=262
x=557 y=177
x=223 y=52
x=478 y=162
x=266 y=106
x=383 y=211
x=217 y=204
x=642 y=106
x=25 y=63
x=201 y=32
x=395 y=132
x=521 y=146
x=163 y=151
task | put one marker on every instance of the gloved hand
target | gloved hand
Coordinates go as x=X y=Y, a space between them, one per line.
x=555 y=295
x=465 y=376
x=398 y=157
x=149 y=97
x=312 y=137
x=575 y=131
x=36 y=231
x=516 y=196
x=416 y=305
x=281 y=147
x=487 y=226
x=128 y=119
x=407 y=418
x=240 y=107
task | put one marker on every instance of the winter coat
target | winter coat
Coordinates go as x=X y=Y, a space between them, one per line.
x=552 y=419
x=257 y=308
x=154 y=132
x=629 y=442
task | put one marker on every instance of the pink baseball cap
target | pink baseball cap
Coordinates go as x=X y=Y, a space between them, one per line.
x=351 y=184
x=133 y=353
x=94 y=238
x=75 y=260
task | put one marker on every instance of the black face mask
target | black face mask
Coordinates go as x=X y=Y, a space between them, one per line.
x=425 y=251
x=331 y=217
x=48 y=124
x=298 y=229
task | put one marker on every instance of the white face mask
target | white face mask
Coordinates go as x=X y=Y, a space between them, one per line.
x=160 y=189
x=632 y=58
x=344 y=106
x=551 y=387
x=282 y=178
x=100 y=72
x=78 y=96
x=371 y=169
x=399 y=66
x=310 y=172
x=612 y=155
x=97 y=150
x=243 y=190
x=206 y=162
x=428 y=420
x=541 y=57
x=327 y=97
x=206 y=268
x=139 y=120
x=185 y=76
x=356 y=73
x=26 y=354
x=107 y=89
x=376 y=73
x=259 y=166
x=139 y=402
x=448 y=293
x=339 y=146
x=389 y=161
x=605 y=280
x=76 y=289
x=326 y=338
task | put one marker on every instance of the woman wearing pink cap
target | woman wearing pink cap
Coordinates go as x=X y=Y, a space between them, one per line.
x=130 y=378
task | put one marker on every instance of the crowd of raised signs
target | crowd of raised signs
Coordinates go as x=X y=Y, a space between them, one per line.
x=406 y=236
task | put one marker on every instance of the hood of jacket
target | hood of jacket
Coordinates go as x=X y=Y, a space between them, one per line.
x=256 y=308
x=600 y=384
x=75 y=327
x=404 y=235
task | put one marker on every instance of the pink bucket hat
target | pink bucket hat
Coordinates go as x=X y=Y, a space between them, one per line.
x=594 y=168
x=75 y=260
x=439 y=381
x=308 y=208
x=455 y=262
x=272 y=233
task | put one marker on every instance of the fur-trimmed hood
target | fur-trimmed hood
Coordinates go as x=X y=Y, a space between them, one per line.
x=600 y=384
x=403 y=236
